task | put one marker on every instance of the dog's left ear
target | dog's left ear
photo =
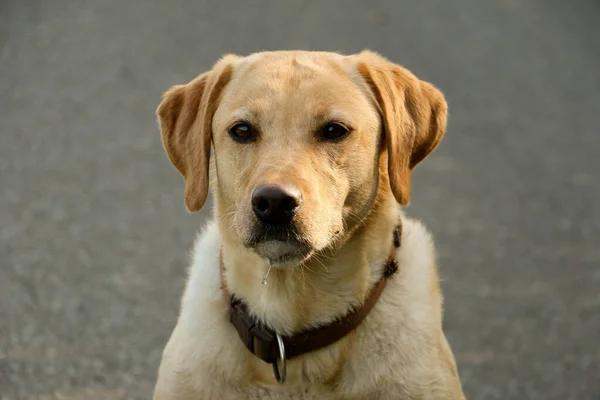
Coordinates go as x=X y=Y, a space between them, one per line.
x=185 y=118
x=414 y=115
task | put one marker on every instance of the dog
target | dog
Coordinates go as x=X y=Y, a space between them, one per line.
x=310 y=282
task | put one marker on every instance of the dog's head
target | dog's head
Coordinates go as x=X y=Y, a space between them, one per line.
x=304 y=143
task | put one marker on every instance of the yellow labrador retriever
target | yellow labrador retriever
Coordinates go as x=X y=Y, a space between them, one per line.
x=309 y=283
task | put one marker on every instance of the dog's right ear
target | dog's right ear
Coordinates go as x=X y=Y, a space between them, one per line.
x=185 y=118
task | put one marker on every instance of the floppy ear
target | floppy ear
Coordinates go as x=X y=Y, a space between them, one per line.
x=185 y=118
x=414 y=115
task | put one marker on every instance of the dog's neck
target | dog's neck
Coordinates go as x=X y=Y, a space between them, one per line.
x=321 y=290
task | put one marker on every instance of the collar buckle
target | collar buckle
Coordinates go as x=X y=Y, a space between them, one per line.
x=261 y=342
x=257 y=338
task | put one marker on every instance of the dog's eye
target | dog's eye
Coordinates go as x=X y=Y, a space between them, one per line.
x=242 y=133
x=334 y=132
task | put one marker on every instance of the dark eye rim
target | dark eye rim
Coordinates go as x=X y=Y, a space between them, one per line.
x=253 y=133
x=323 y=131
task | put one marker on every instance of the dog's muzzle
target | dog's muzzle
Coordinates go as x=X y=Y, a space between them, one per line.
x=275 y=236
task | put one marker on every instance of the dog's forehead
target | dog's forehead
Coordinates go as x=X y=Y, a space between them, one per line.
x=284 y=63
x=313 y=82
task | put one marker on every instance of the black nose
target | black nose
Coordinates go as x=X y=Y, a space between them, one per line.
x=276 y=204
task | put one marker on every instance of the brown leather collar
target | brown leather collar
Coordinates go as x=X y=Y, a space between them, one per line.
x=270 y=347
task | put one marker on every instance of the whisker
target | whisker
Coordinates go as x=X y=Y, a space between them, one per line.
x=360 y=220
x=320 y=262
x=302 y=266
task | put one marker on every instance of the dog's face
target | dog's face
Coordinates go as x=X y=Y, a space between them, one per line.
x=298 y=138
x=296 y=145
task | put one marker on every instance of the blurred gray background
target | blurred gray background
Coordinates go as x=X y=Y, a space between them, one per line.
x=94 y=236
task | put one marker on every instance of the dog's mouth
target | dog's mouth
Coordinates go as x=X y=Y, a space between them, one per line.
x=279 y=244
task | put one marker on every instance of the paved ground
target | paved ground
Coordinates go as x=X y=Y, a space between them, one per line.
x=93 y=233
